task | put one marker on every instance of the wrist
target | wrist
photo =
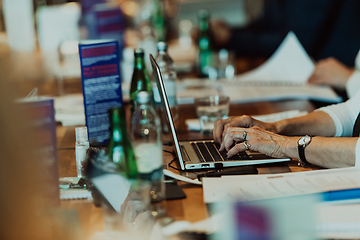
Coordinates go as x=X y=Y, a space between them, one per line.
x=291 y=147
x=279 y=126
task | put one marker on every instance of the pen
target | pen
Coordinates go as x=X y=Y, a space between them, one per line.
x=33 y=93
x=345 y=194
x=230 y=171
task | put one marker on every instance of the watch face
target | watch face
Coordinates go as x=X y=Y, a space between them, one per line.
x=304 y=140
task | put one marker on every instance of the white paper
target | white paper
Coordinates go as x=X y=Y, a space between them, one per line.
x=338 y=221
x=69 y=110
x=194 y=123
x=106 y=184
x=255 y=187
x=256 y=91
x=74 y=194
x=289 y=63
x=181 y=178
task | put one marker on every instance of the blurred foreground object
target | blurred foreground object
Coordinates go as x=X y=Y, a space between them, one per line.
x=81 y=146
x=121 y=152
x=24 y=206
x=272 y=219
x=146 y=138
x=39 y=112
x=123 y=195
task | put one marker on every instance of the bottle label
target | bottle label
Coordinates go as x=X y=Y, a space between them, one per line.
x=148 y=157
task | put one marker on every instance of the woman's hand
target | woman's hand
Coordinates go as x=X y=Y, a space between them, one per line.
x=257 y=139
x=243 y=121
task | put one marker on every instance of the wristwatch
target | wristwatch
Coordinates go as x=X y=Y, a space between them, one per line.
x=303 y=142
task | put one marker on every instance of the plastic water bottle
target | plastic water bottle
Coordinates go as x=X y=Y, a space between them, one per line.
x=168 y=74
x=146 y=138
x=81 y=146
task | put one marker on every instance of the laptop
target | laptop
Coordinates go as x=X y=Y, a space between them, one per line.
x=204 y=154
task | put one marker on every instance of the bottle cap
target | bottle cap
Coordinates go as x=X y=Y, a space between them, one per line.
x=139 y=52
x=143 y=97
x=162 y=46
x=223 y=55
x=81 y=134
x=203 y=13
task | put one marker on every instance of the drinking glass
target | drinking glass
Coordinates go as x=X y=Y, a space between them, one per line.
x=211 y=109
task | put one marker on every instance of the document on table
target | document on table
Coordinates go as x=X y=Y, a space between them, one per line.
x=290 y=63
x=255 y=187
x=69 y=110
x=194 y=123
x=283 y=76
x=256 y=91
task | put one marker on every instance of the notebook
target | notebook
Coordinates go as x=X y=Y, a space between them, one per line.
x=204 y=154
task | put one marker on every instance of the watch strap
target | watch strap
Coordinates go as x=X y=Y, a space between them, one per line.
x=302 y=159
x=301 y=150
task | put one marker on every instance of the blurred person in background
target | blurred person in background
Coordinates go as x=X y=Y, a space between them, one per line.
x=21 y=206
x=332 y=72
x=326 y=28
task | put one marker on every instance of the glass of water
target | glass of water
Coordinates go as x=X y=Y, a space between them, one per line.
x=209 y=110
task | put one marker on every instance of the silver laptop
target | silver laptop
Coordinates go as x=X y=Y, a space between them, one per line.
x=204 y=154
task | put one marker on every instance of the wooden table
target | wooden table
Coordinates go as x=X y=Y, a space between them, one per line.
x=192 y=208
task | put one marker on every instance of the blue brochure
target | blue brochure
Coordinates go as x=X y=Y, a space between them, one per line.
x=101 y=85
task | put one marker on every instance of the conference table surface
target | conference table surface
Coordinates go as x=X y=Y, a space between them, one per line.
x=192 y=208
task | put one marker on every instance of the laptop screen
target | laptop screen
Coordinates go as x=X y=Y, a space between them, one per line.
x=162 y=91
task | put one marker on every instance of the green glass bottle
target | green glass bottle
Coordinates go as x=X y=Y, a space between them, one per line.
x=120 y=150
x=158 y=19
x=206 y=53
x=140 y=80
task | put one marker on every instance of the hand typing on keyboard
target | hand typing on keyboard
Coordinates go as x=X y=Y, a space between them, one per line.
x=259 y=136
x=244 y=121
x=257 y=139
x=273 y=138
x=209 y=152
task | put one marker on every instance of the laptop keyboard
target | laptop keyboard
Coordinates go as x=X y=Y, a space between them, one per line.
x=208 y=152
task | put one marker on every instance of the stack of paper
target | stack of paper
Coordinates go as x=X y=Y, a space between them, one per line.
x=256 y=91
x=194 y=123
x=283 y=76
x=255 y=187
